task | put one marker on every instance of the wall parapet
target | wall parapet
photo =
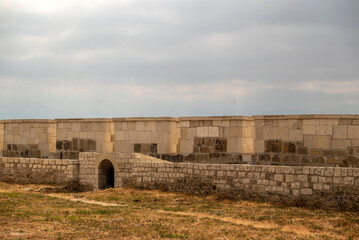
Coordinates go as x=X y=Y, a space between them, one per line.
x=306 y=116
x=325 y=187
x=302 y=139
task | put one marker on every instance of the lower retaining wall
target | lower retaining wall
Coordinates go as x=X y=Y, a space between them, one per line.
x=294 y=185
x=327 y=187
x=35 y=170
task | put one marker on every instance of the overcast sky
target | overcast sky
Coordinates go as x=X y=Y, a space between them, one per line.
x=103 y=58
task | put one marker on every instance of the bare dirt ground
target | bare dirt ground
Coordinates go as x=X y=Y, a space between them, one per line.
x=38 y=212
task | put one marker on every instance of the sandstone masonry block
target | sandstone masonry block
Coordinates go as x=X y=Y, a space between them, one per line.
x=323 y=130
x=213 y=132
x=280 y=133
x=340 y=132
x=353 y=132
x=202 y=132
x=295 y=135
x=323 y=142
x=309 y=129
x=259 y=146
x=341 y=144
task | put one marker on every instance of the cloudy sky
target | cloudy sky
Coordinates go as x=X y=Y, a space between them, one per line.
x=104 y=58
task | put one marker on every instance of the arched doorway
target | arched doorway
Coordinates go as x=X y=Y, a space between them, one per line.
x=106 y=175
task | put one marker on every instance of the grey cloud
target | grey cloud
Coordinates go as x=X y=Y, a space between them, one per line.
x=156 y=43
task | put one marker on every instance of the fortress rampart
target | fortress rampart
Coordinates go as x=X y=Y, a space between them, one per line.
x=304 y=140
x=309 y=160
x=328 y=187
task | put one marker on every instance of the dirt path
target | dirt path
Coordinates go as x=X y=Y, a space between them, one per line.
x=84 y=200
x=225 y=219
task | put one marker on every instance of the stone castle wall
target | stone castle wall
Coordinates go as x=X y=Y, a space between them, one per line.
x=216 y=134
x=83 y=135
x=147 y=135
x=311 y=140
x=215 y=139
x=331 y=140
x=295 y=185
x=37 y=170
x=28 y=138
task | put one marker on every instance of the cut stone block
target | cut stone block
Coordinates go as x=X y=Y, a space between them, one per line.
x=353 y=132
x=202 y=132
x=340 y=144
x=340 y=132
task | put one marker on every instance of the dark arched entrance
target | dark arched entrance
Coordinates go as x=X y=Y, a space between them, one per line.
x=106 y=175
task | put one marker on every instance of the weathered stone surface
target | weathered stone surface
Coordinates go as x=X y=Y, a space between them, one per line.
x=259 y=146
x=318 y=160
x=137 y=148
x=353 y=132
x=340 y=132
x=302 y=150
x=202 y=157
x=221 y=145
x=91 y=145
x=153 y=148
x=295 y=135
x=335 y=161
x=351 y=161
x=341 y=144
x=264 y=157
x=334 y=152
x=276 y=158
x=289 y=148
x=315 y=152
x=274 y=146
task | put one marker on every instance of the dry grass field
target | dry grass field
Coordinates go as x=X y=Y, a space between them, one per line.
x=33 y=212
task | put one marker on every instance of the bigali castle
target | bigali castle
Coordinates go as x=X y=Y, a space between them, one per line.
x=303 y=159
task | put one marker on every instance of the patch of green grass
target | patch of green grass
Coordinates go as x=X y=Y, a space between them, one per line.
x=106 y=211
x=10 y=195
x=74 y=219
x=173 y=209
x=173 y=235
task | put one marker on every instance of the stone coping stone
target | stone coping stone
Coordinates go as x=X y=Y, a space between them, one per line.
x=146 y=119
x=27 y=121
x=306 y=116
x=70 y=120
x=53 y=160
x=248 y=118
x=176 y=119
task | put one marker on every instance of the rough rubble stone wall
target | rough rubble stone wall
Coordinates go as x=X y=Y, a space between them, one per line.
x=89 y=166
x=83 y=135
x=147 y=135
x=327 y=140
x=295 y=185
x=28 y=138
x=36 y=170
